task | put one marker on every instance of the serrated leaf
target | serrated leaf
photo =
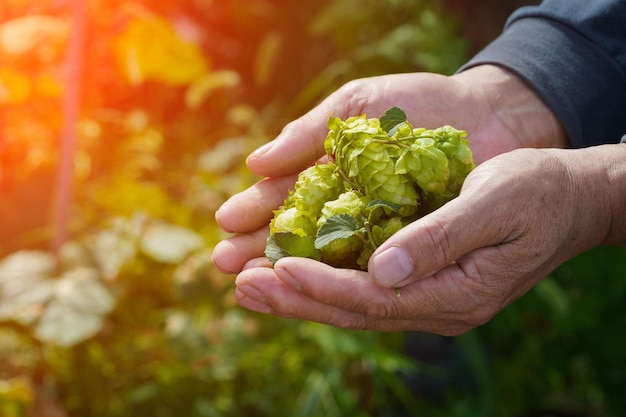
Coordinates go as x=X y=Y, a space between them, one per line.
x=77 y=308
x=281 y=245
x=391 y=119
x=382 y=203
x=336 y=227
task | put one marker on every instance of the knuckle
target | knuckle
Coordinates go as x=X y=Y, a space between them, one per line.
x=358 y=95
x=381 y=310
x=437 y=242
x=349 y=322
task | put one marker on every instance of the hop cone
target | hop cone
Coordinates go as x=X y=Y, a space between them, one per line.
x=368 y=157
x=350 y=202
x=454 y=144
x=315 y=186
x=380 y=233
x=425 y=164
x=382 y=175
x=291 y=220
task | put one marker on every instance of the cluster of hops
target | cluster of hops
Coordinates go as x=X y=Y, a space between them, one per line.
x=381 y=175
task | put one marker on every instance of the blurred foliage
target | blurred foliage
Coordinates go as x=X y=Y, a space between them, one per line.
x=129 y=317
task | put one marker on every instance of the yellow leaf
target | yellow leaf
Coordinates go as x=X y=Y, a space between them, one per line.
x=149 y=48
x=266 y=57
x=31 y=33
x=48 y=86
x=203 y=87
x=15 y=87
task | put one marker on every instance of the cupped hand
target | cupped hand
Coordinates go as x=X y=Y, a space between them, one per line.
x=492 y=105
x=519 y=215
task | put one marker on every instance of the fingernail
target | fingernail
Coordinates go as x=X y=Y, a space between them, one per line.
x=285 y=276
x=252 y=292
x=262 y=150
x=391 y=267
x=250 y=297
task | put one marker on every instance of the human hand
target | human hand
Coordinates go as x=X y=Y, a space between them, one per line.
x=519 y=215
x=489 y=103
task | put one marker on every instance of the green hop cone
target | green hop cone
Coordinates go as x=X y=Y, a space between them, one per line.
x=315 y=186
x=454 y=144
x=380 y=233
x=352 y=203
x=367 y=156
x=292 y=220
x=425 y=164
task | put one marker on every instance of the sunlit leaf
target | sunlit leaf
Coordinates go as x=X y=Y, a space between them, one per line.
x=21 y=270
x=204 y=86
x=266 y=58
x=28 y=305
x=25 y=285
x=15 y=87
x=112 y=250
x=149 y=48
x=169 y=243
x=22 y=35
x=77 y=309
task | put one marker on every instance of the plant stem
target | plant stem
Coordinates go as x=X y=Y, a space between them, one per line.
x=70 y=115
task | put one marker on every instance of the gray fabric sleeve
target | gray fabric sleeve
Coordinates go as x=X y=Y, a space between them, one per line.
x=573 y=54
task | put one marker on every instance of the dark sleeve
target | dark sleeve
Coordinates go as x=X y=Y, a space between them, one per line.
x=573 y=54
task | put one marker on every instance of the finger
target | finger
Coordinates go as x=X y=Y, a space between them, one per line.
x=231 y=255
x=302 y=141
x=253 y=208
x=261 y=262
x=443 y=236
x=350 y=299
x=260 y=289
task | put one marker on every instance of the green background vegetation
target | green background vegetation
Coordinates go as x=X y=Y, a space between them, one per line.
x=115 y=310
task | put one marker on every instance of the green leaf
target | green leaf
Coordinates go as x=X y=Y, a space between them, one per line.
x=280 y=245
x=336 y=227
x=382 y=203
x=391 y=119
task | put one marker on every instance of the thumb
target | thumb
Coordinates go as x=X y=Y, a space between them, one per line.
x=434 y=242
x=301 y=142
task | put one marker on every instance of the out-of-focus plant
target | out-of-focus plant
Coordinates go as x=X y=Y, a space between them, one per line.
x=131 y=318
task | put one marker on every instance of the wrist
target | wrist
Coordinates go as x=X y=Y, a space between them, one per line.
x=598 y=175
x=515 y=107
x=612 y=181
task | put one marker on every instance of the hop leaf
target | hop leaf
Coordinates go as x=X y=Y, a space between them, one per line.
x=341 y=226
x=392 y=119
x=280 y=245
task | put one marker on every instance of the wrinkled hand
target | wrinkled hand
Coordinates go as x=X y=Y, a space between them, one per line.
x=518 y=217
x=490 y=104
x=355 y=299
